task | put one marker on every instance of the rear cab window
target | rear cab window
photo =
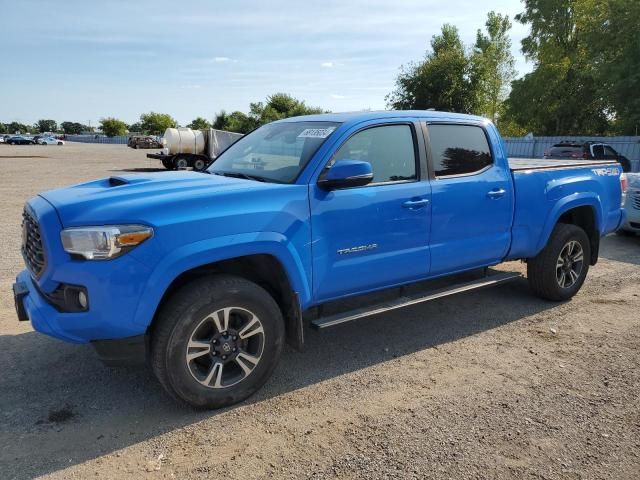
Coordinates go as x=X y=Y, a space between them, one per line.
x=458 y=149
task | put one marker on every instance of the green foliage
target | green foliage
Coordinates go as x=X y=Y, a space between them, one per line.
x=135 y=128
x=277 y=106
x=444 y=80
x=587 y=68
x=612 y=43
x=199 y=123
x=156 y=123
x=494 y=65
x=16 y=127
x=3 y=128
x=112 y=127
x=74 y=128
x=42 y=126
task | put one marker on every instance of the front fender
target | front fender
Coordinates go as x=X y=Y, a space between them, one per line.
x=565 y=204
x=204 y=252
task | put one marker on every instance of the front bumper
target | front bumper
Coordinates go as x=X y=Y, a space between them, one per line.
x=107 y=318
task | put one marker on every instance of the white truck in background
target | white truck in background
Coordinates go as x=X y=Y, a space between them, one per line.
x=184 y=147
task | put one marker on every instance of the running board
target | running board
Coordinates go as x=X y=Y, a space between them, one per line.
x=406 y=301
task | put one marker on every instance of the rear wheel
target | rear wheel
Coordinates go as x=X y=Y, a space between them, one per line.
x=216 y=341
x=199 y=165
x=559 y=270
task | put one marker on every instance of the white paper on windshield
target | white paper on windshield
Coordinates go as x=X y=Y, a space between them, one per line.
x=316 y=132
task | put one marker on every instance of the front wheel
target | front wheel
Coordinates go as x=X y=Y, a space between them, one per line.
x=180 y=163
x=559 y=270
x=216 y=341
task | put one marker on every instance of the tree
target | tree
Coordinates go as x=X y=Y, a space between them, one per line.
x=276 y=107
x=3 y=128
x=279 y=106
x=494 y=65
x=563 y=94
x=199 y=123
x=43 y=126
x=444 y=80
x=74 y=128
x=156 y=123
x=612 y=42
x=16 y=127
x=135 y=128
x=112 y=127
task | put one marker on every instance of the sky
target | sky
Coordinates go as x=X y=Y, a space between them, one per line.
x=81 y=61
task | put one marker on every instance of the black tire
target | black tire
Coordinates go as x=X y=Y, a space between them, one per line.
x=184 y=315
x=544 y=272
x=199 y=164
x=167 y=164
x=180 y=163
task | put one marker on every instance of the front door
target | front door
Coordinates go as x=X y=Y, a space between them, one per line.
x=375 y=236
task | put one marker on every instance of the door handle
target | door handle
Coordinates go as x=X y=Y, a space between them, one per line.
x=497 y=193
x=415 y=203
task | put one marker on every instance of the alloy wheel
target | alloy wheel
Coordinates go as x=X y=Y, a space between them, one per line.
x=569 y=264
x=225 y=347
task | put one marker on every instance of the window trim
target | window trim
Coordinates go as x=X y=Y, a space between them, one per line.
x=416 y=153
x=430 y=157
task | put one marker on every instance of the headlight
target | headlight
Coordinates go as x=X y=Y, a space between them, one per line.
x=103 y=243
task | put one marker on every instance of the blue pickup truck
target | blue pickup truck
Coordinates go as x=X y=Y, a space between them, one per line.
x=210 y=273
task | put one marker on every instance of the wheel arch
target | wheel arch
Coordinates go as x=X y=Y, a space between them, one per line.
x=582 y=212
x=268 y=263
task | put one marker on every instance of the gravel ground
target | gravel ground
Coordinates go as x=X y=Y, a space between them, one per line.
x=492 y=384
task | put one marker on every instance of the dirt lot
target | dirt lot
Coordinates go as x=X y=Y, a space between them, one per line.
x=493 y=384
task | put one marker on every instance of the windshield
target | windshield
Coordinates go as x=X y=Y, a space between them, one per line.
x=275 y=152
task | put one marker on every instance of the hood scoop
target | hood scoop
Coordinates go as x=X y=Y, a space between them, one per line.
x=116 y=181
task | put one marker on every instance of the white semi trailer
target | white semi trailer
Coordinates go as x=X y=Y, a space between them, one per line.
x=184 y=147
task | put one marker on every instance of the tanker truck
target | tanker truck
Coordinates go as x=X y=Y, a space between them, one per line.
x=184 y=147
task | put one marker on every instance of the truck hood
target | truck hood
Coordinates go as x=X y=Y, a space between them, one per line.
x=126 y=198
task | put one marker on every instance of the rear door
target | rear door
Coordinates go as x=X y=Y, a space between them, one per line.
x=376 y=236
x=472 y=199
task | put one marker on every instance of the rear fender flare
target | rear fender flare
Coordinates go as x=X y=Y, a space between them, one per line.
x=564 y=205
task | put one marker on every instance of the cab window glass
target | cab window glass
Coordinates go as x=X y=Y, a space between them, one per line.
x=458 y=149
x=598 y=150
x=389 y=149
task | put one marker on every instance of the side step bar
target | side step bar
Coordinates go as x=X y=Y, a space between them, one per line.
x=406 y=301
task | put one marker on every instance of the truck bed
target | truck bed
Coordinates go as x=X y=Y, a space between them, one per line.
x=516 y=164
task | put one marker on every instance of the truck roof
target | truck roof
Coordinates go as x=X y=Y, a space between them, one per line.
x=357 y=117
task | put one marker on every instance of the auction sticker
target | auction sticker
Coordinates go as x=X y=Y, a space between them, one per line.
x=316 y=132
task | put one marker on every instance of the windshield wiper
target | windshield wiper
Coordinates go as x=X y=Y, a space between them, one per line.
x=241 y=175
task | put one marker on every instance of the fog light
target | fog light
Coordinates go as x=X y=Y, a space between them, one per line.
x=82 y=299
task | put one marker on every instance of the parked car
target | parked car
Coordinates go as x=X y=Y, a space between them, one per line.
x=631 y=202
x=1 y=139
x=213 y=271
x=20 y=140
x=587 y=151
x=146 y=141
x=50 y=141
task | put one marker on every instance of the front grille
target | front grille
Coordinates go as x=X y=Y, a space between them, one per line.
x=32 y=249
x=636 y=201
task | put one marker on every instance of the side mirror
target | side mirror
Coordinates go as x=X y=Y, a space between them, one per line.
x=346 y=174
